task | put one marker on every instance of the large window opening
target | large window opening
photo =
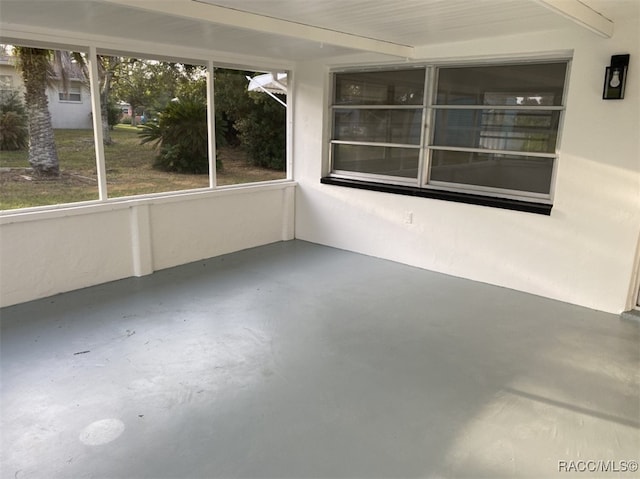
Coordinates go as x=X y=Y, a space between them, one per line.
x=251 y=116
x=157 y=139
x=156 y=132
x=489 y=131
x=46 y=147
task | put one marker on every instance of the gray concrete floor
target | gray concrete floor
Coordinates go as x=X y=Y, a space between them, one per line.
x=297 y=360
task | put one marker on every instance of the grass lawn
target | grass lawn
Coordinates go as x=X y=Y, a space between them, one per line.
x=129 y=171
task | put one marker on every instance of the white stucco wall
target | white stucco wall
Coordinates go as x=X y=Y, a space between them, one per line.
x=584 y=253
x=49 y=252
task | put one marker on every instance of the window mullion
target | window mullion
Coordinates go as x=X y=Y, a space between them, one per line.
x=427 y=125
x=498 y=107
x=94 y=85
x=496 y=151
x=376 y=107
x=211 y=125
x=375 y=143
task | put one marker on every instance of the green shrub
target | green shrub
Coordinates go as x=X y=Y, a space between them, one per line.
x=180 y=134
x=14 y=133
x=114 y=114
x=262 y=132
x=257 y=122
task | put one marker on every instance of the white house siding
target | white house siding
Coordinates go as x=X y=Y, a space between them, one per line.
x=64 y=114
x=70 y=114
x=583 y=253
x=7 y=70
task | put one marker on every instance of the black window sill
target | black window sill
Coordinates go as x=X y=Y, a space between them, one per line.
x=505 y=203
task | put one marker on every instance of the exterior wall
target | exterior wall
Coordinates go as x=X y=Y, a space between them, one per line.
x=7 y=68
x=49 y=252
x=70 y=114
x=64 y=114
x=584 y=253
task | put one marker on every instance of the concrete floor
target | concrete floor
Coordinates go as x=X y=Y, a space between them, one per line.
x=296 y=360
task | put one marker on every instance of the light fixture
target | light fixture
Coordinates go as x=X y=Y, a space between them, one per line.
x=615 y=78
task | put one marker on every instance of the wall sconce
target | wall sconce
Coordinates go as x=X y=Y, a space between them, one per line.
x=615 y=78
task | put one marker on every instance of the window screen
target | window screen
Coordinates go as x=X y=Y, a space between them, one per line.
x=488 y=129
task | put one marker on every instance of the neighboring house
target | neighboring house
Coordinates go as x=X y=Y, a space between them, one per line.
x=125 y=108
x=70 y=109
x=9 y=76
x=127 y=111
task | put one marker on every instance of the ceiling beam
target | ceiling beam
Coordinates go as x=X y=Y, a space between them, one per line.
x=202 y=11
x=581 y=14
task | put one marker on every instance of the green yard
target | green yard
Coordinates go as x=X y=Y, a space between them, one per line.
x=129 y=171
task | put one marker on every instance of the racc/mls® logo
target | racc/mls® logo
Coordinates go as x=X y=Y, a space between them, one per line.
x=598 y=466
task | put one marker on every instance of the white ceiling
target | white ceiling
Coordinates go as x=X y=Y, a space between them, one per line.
x=296 y=29
x=408 y=22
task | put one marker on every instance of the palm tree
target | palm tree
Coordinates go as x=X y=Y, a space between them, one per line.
x=38 y=67
x=35 y=65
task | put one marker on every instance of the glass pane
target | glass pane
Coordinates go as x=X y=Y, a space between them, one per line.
x=530 y=84
x=155 y=125
x=251 y=126
x=515 y=130
x=396 y=87
x=402 y=162
x=47 y=153
x=510 y=172
x=386 y=126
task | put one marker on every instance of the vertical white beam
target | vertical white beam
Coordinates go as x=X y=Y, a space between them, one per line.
x=288 y=213
x=94 y=84
x=289 y=126
x=141 y=250
x=211 y=125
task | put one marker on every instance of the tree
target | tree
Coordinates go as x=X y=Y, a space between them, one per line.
x=257 y=122
x=145 y=84
x=232 y=99
x=38 y=68
x=262 y=132
x=35 y=65
x=132 y=84
x=108 y=67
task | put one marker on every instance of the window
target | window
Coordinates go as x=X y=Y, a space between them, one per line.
x=377 y=123
x=51 y=158
x=72 y=93
x=251 y=115
x=471 y=134
x=496 y=127
x=6 y=82
x=158 y=140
